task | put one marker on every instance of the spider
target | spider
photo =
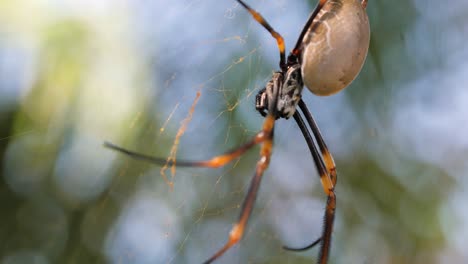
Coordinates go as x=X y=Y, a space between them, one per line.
x=328 y=55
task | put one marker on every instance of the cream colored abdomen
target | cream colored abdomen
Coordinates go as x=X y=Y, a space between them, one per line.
x=335 y=47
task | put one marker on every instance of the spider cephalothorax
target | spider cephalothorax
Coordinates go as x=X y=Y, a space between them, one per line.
x=288 y=89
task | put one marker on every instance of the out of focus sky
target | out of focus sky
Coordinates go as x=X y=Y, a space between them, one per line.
x=74 y=74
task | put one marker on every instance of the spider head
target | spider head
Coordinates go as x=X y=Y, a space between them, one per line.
x=281 y=94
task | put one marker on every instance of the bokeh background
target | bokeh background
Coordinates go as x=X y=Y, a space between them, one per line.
x=74 y=74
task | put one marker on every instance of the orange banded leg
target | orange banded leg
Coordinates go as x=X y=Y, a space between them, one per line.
x=326 y=155
x=328 y=228
x=214 y=162
x=279 y=39
x=297 y=49
x=265 y=153
x=327 y=158
x=328 y=188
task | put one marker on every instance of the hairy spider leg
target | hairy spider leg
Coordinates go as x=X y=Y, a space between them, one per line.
x=279 y=39
x=326 y=155
x=265 y=136
x=215 y=162
x=297 y=49
x=328 y=188
x=327 y=158
x=265 y=153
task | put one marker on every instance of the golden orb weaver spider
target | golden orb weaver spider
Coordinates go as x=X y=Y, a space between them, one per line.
x=328 y=56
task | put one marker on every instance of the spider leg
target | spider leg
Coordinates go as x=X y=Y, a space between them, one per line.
x=313 y=244
x=215 y=162
x=297 y=49
x=327 y=157
x=328 y=188
x=238 y=229
x=279 y=39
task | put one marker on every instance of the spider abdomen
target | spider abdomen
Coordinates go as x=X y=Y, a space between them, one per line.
x=335 y=46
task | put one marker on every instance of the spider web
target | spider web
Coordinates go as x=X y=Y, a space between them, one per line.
x=226 y=64
x=178 y=80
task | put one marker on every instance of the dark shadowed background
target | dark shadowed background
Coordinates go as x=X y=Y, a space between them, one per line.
x=74 y=74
